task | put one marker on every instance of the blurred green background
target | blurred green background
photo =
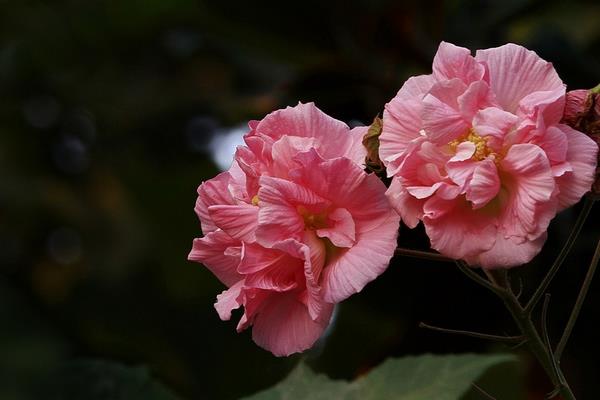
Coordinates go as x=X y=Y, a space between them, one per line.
x=113 y=112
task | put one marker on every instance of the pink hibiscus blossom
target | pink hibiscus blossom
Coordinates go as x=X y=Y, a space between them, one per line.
x=477 y=152
x=294 y=227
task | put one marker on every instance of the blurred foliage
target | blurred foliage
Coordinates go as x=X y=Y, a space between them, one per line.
x=107 y=112
x=423 y=377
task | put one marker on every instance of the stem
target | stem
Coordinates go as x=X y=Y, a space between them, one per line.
x=534 y=342
x=486 y=336
x=587 y=207
x=468 y=271
x=427 y=255
x=578 y=303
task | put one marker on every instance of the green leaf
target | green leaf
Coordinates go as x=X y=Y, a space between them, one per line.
x=423 y=377
x=100 y=380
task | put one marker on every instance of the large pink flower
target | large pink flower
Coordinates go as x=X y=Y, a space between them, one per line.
x=477 y=152
x=294 y=226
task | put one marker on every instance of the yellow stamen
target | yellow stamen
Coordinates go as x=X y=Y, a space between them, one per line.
x=255 y=200
x=482 y=151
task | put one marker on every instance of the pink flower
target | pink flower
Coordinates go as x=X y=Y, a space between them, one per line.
x=477 y=152
x=294 y=227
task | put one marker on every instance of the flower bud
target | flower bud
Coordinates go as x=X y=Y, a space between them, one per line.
x=582 y=112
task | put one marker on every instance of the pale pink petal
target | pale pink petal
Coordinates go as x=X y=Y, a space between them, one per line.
x=456 y=230
x=494 y=124
x=464 y=151
x=341 y=230
x=484 y=184
x=544 y=107
x=214 y=250
x=452 y=61
x=422 y=192
x=306 y=120
x=477 y=97
x=278 y=215
x=442 y=119
x=351 y=269
x=229 y=300
x=285 y=149
x=402 y=117
x=582 y=156
x=460 y=172
x=269 y=269
x=237 y=221
x=554 y=143
x=407 y=206
x=357 y=152
x=515 y=72
x=313 y=254
x=508 y=253
x=254 y=301
x=284 y=326
x=529 y=184
x=212 y=192
x=344 y=184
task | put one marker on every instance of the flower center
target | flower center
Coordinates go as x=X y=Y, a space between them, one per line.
x=313 y=220
x=482 y=151
x=255 y=200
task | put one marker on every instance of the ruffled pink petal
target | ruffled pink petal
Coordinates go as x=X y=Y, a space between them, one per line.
x=545 y=108
x=529 y=184
x=219 y=252
x=341 y=230
x=442 y=118
x=278 y=216
x=452 y=61
x=285 y=149
x=313 y=254
x=477 y=97
x=229 y=300
x=345 y=185
x=407 y=206
x=350 y=270
x=554 y=143
x=494 y=124
x=582 y=155
x=269 y=269
x=237 y=221
x=460 y=172
x=464 y=151
x=484 y=184
x=402 y=117
x=515 y=72
x=508 y=253
x=357 y=152
x=456 y=230
x=212 y=192
x=284 y=326
x=306 y=120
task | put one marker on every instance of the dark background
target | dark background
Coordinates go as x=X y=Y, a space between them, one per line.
x=107 y=112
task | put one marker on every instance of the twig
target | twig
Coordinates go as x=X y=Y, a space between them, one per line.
x=578 y=303
x=427 y=255
x=587 y=207
x=477 y=278
x=486 y=336
x=546 y=338
x=483 y=392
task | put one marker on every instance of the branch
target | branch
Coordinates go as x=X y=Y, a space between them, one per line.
x=426 y=255
x=587 y=207
x=578 y=303
x=469 y=272
x=499 y=338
